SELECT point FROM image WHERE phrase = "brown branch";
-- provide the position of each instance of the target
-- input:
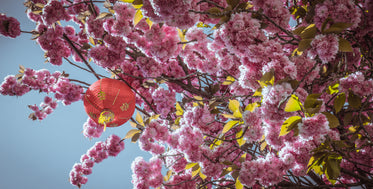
(80, 55)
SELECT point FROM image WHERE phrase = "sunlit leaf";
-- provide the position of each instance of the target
(289, 124)
(293, 104)
(127, 1)
(149, 22)
(234, 105)
(203, 177)
(229, 125)
(251, 107)
(168, 175)
(179, 110)
(138, 17)
(131, 132)
(195, 170)
(240, 139)
(139, 119)
(190, 165)
(238, 184)
(333, 89)
(228, 81)
(104, 15)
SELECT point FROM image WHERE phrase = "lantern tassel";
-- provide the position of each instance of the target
(105, 117)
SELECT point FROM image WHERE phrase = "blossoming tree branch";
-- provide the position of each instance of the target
(229, 93)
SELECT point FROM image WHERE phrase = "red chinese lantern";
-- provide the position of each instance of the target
(109, 102)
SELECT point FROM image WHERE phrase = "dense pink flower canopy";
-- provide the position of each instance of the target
(229, 94)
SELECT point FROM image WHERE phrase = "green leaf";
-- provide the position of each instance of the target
(344, 45)
(312, 104)
(127, 1)
(229, 125)
(304, 44)
(333, 168)
(290, 124)
(214, 12)
(333, 121)
(309, 32)
(293, 104)
(299, 30)
(138, 17)
(339, 101)
(267, 79)
(354, 100)
(337, 27)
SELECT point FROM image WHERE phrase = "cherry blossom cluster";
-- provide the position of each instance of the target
(91, 129)
(96, 154)
(42, 81)
(45, 109)
(188, 76)
(9, 26)
(147, 174)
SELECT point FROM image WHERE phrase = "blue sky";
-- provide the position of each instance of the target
(40, 154)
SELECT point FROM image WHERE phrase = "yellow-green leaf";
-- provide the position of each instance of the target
(149, 22)
(312, 104)
(92, 41)
(229, 125)
(267, 79)
(251, 107)
(229, 116)
(293, 104)
(138, 17)
(228, 81)
(344, 45)
(203, 177)
(139, 119)
(179, 110)
(263, 145)
(237, 114)
(333, 121)
(234, 105)
(339, 101)
(240, 139)
(238, 184)
(202, 25)
(182, 36)
(289, 124)
(131, 132)
(127, 1)
(333, 89)
(190, 165)
(258, 92)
